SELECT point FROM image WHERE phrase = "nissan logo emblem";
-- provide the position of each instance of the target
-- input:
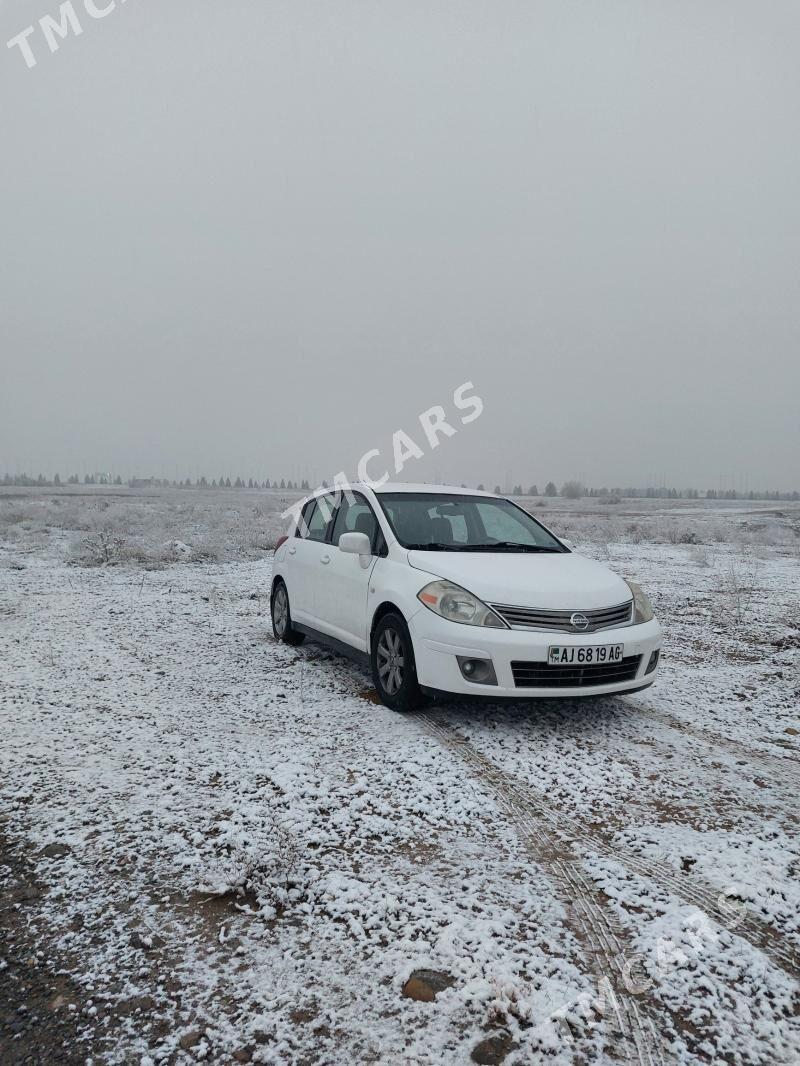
(579, 621)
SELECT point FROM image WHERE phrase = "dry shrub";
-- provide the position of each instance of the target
(700, 555)
(102, 548)
(738, 585)
(269, 876)
(675, 535)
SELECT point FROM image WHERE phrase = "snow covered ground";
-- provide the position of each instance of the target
(217, 848)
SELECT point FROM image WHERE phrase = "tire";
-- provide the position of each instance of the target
(394, 670)
(282, 627)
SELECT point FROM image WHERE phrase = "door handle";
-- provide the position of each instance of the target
(292, 551)
(325, 559)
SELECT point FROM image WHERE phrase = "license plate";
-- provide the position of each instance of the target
(579, 655)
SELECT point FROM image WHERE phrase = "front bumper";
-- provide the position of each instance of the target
(437, 643)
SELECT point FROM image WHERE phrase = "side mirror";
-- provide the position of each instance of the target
(355, 544)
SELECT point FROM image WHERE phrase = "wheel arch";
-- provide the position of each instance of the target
(384, 608)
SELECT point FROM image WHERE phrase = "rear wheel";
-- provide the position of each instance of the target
(282, 617)
(393, 668)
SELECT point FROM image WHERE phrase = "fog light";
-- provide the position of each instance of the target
(479, 671)
(653, 662)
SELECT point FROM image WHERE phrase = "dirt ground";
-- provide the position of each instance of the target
(219, 849)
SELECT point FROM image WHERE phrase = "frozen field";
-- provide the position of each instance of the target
(217, 848)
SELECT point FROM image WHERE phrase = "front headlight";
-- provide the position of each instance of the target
(455, 604)
(642, 609)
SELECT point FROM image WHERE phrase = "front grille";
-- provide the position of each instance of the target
(559, 621)
(542, 675)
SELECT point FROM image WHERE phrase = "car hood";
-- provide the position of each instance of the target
(558, 582)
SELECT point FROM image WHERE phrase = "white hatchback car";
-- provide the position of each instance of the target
(458, 592)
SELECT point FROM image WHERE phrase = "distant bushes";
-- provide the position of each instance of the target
(151, 532)
(105, 548)
(171, 527)
(680, 530)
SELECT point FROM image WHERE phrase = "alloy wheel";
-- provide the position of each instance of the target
(391, 661)
(280, 612)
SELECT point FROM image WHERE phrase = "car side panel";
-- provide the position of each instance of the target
(341, 597)
(301, 559)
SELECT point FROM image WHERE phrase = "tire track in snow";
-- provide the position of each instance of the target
(637, 1035)
(707, 898)
(784, 772)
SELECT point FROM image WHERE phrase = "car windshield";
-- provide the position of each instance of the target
(432, 521)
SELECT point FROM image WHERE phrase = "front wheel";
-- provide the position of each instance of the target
(393, 668)
(282, 617)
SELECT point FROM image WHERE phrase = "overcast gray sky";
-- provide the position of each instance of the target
(258, 237)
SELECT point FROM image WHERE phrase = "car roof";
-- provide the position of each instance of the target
(443, 490)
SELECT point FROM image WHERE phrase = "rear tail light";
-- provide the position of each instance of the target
(281, 540)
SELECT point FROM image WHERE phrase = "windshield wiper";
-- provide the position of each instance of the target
(431, 546)
(511, 546)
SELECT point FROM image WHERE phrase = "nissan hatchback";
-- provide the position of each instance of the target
(460, 593)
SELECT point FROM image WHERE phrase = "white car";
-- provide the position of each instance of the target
(458, 592)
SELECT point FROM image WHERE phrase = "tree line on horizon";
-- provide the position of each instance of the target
(570, 490)
(576, 490)
(25, 481)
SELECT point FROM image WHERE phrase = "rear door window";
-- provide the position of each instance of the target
(317, 516)
(301, 529)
